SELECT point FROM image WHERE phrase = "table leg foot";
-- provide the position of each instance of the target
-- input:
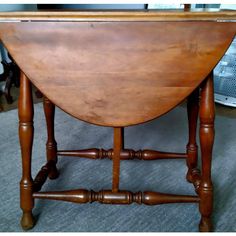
(205, 225)
(27, 220)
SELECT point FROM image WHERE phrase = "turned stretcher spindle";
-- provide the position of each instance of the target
(111, 197)
(126, 154)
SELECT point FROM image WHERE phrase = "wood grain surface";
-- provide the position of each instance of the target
(117, 73)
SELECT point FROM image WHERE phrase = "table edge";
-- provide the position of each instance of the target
(130, 15)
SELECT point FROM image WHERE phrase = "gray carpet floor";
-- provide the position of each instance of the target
(168, 133)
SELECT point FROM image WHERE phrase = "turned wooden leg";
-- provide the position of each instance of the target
(192, 148)
(26, 132)
(51, 145)
(207, 116)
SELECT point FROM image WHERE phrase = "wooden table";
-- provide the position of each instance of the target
(118, 69)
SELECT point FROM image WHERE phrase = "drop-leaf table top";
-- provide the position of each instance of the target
(116, 68)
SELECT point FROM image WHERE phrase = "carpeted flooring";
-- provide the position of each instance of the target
(166, 133)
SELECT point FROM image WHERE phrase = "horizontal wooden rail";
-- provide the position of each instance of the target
(120, 197)
(126, 154)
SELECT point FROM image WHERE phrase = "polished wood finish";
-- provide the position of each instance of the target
(111, 197)
(130, 67)
(125, 154)
(26, 132)
(120, 16)
(207, 116)
(118, 144)
(139, 57)
(51, 145)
